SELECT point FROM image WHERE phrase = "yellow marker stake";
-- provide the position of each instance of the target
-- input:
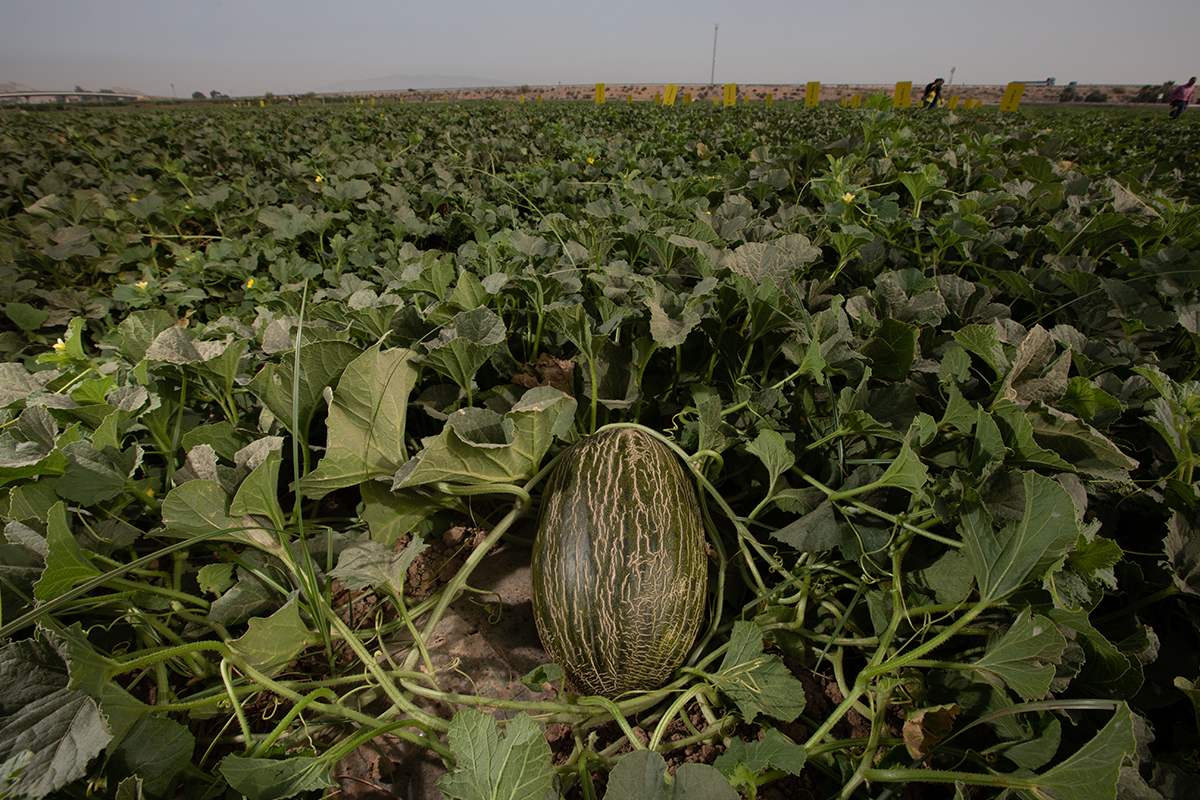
(811, 93)
(953, 102)
(770, 98)
(599, 94)
(629, 99)
(856, 100)
(730, 94)
(672, 90)
(658, 98)
(522, 98)
(1012, 97)
(372, 101)
(687, 98)
(903, 98)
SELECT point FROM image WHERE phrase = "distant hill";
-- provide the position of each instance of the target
(394, 83)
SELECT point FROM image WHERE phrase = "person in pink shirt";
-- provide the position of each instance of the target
(1181, 97)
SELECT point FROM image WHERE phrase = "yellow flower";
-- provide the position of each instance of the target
(848, 197)
(591, 160)
(319, 178)
(60, 345)
(141, 285)
(132, 199)
(250, 283)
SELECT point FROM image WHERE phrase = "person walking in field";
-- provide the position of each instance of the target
(933, 93)
(1181, 97)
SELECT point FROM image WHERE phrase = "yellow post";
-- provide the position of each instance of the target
(730, 94)
(1012, 96)
(687, 98)
(669, 99)
(770, 98)
(629, 99)
(539, 98)
(522, 100)
(953, 103)
(658, 98)
(903, 97)
(599, 94)
(856, 100)
(811, 93)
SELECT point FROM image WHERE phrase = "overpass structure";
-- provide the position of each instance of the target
(62, 96)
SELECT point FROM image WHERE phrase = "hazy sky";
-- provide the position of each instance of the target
(247, 47)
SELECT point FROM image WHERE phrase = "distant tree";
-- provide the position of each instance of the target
(215, 95)
(1096, 96)
(1067, 95)
(197, 95)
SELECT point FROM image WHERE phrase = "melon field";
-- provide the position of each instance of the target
(281, 390)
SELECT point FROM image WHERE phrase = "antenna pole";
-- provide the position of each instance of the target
(712, 77)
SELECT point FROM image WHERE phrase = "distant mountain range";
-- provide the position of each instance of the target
(394, 83)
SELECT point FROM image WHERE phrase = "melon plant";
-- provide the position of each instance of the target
(618, 568)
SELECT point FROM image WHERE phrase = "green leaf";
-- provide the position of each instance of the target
(573, 322)
(892, 349)
(1092, 772)
(983, 342)
(1016, 426)
(1024, 656)
(1036, 373)
(92, 476)
(478, 446)
(770, 448)
(1003, 558)
(642, 775)
(1182, 549)
(364, 565)
(779, 258)
(27, 318)
(156, 750)
(389, 515)
(62, 729)
(491, 766)
(1079, 444)
(259, 492)
(271, 643)
(465, 345)
(321, 363)
(67, 565)
(542, 674)
(757, 682)
(906, 472)
(772, 751)
(268, 779)
(140, 329)
(366, 422)
(201, 508)
(215, 578)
